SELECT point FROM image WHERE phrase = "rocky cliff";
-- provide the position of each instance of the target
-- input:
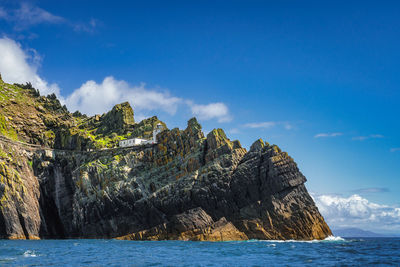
(63, 176)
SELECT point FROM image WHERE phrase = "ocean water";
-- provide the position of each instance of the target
(330, 252)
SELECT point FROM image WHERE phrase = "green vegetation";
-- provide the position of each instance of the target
(26, 116)
(14, 187)
(4, 155)
(6, 130)
(220, 133)
(221, 138)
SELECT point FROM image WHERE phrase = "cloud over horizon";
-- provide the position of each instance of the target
(358, 211)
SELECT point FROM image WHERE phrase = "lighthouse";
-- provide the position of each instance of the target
(156, 131)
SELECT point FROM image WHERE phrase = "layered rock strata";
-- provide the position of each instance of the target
(186, 187)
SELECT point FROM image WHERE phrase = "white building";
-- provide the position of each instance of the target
(139, 141)
(131, 142)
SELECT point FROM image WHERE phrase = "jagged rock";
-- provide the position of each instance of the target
(186, 187)
(258, 145)
(120, 119)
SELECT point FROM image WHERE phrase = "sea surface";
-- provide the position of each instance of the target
(331, 252)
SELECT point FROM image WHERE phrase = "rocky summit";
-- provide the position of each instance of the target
(63, 175)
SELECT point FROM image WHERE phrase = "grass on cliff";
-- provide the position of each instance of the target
(4, 155)
(6, 130)
(26, 116)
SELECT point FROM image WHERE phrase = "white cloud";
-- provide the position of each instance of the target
(28, 15)
(358, 211)
(20, 66)
(327, 135)
(371, 136)
(268, 124)
(265, 124)
(96, 98)
(86, 27)
(210, 111)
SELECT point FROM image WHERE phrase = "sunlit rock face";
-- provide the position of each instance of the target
(188, 186)
(120, 119)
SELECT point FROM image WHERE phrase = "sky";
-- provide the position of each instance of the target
(318, 78)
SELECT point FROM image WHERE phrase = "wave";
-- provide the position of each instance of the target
(334, 238)
(330, 238)
(29, 253)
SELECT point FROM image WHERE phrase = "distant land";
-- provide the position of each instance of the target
(357, 232)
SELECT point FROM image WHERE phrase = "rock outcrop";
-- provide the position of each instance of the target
(193, 225)
(19, 194)
(186, 187)
(120, 120)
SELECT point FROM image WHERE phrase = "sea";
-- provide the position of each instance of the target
(334, 251)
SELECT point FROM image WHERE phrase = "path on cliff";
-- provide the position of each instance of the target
(33, 147)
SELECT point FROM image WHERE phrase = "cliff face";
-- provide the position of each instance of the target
(187, 187)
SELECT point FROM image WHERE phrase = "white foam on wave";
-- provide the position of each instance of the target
(286, 241)
(330, 238)
(334, 238)
(29, 253)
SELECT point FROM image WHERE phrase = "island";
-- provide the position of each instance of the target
(68, 175)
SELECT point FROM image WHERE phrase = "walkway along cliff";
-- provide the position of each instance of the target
(62, 176)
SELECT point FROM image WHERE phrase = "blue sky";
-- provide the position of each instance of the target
(321, 80)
